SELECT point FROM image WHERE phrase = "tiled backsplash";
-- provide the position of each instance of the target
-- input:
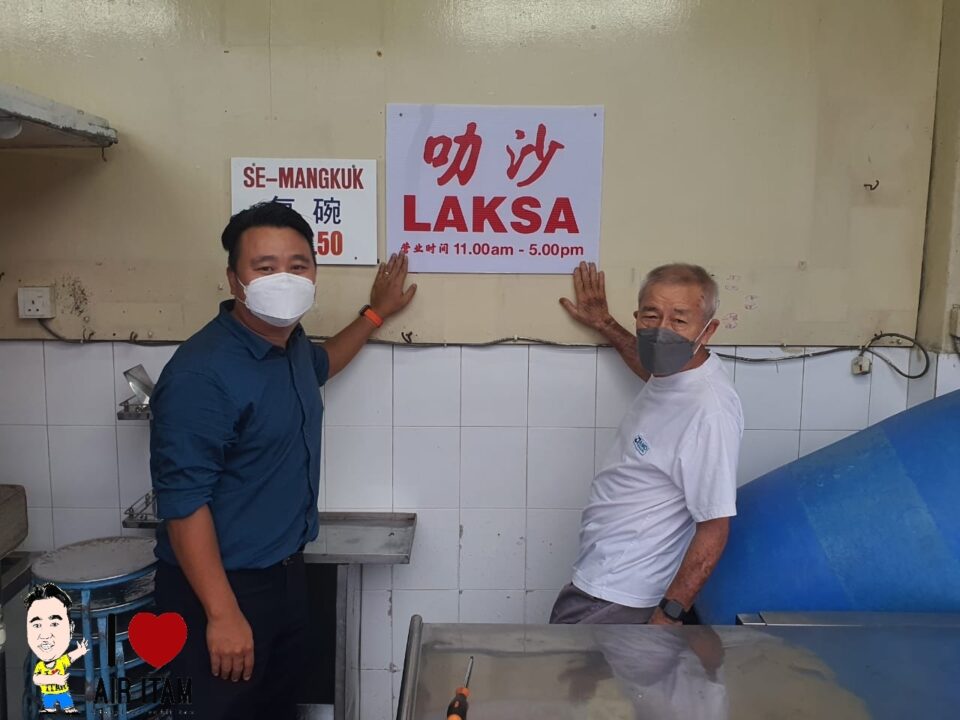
(462, 429)
(494, 448)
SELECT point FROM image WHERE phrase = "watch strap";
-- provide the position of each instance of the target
(370, 314)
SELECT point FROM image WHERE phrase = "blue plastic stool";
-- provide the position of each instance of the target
(103, 577)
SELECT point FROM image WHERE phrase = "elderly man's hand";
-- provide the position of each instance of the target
(387, 296)
(590, 307)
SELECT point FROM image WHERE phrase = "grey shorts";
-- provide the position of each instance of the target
(574, 606)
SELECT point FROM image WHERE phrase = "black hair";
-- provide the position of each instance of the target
(47, 590)
(263, 214)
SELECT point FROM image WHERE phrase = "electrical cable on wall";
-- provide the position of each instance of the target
(86, 338)
(866, 348)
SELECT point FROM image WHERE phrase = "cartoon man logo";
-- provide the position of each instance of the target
(49, 630)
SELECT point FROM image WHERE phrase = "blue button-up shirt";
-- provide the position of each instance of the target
(236, 426)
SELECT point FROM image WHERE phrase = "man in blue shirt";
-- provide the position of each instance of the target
(235, 462)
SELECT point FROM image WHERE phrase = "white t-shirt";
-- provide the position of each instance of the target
(673, 464)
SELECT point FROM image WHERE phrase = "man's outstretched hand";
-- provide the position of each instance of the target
(387, 296)
(590, 307)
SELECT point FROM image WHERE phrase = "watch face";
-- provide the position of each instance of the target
(673, 610)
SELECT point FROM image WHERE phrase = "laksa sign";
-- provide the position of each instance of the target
(484, 189)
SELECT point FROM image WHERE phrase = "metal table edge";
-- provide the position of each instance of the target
(411, 670)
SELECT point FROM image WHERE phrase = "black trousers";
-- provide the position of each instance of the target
(274, 602)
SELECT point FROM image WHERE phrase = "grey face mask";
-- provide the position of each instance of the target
(664, 352)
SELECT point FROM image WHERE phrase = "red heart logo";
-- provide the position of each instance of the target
(157, 639)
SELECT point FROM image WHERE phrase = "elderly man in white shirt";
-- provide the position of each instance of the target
(657, 518)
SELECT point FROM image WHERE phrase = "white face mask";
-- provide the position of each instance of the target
(280, 299)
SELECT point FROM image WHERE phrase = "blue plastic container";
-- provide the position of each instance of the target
(871, 523)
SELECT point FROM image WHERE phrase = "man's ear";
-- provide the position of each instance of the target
(234, 282)
(712, 327)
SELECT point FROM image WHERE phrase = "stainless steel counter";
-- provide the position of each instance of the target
(686, 673)
(848, 619)
(345, 538)
(362, 538)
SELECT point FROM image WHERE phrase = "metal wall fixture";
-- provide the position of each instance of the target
(137, 407)
(32, 121)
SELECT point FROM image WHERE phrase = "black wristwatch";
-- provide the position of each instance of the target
(673, 609)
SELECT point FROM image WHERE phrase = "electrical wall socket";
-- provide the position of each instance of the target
(862, 365)
(35, 303)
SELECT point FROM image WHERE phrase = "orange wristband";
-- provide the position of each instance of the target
(369, 313)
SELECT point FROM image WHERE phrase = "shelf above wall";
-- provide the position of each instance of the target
(33, 121)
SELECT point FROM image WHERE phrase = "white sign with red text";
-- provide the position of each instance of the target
(338, 198)
(485, 189)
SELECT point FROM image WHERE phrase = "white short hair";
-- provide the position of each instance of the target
(686, 274)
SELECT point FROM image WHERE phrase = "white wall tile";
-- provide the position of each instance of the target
(377, 577)
(833, 397)
(948, 373)
(495, 386)
(605, 438)
(563, 385)
(434, 559)
(888, 389)
(22, 388)
(561, 467)
(770, 392)
(434, 606)
(491, 606)
(492, 549)
(553, 542)
(83, 467)
(376, 629)
(764, 450)
(537, 606)
(813, 440)
(493, 467)
(127, 355)
(322, 493)
(39, 530)
(80, 384)
(25, 460)
(728, 363)
(922, 389)
(617, 387)
(362, 393)
(376, 690)
(426, 387)
(426, 467)
(359, 468)
(72, 525)
(133, 455)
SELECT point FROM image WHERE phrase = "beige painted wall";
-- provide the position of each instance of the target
(941, 262)
(739, 134)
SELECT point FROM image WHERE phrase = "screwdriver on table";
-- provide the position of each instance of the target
(458, 706)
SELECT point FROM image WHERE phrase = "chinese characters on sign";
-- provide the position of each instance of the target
(477, 189)
(338, 198)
